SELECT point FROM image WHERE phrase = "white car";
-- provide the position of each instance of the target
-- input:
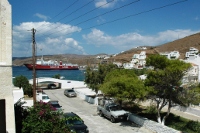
(42, 97)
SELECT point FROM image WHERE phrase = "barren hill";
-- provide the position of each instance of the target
(181, 45)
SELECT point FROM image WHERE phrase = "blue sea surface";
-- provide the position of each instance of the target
(68, 74)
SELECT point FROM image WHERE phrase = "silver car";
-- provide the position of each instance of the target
(70, 93)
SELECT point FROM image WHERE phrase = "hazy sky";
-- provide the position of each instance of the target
(100, 26)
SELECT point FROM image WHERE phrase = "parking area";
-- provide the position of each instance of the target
(88, 112)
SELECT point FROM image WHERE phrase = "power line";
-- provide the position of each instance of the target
(132, 15)
(108, 12)
(90, 11)
(157, 8)
(99, 15)
(84, 14)
(77, 9)
(61, 12)
(65, 9)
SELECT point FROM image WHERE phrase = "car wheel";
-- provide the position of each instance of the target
(112, 119)
(100, 114)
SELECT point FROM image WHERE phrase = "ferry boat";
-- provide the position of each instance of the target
(52, 65)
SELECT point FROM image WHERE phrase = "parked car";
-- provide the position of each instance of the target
(51, 86)
(55, 104)
(42, 97)
(112, 111)
(70, 93)
(75, 123)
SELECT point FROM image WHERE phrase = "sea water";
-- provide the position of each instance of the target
(78, 75)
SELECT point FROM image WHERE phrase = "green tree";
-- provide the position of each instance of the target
(190, 94)
(28, 90)
(20, 81)
(123, 84)
(42, 118)
(94, 78)
(165, 79)
(57, 76)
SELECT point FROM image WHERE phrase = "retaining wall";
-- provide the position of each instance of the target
(151, 125)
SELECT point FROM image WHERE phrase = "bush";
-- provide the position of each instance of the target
(28, 90)
(151, 110)
(194, 125)
(22, 82)
(57, 76)
(42, 118)
(20, 115)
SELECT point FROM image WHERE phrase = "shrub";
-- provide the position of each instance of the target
(28, 90)
(151, 109)
(20, 115)
(194, 125)
(42, 118)
(57, 76)
(22, 82)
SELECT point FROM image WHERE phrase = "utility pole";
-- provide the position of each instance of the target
(34, 72)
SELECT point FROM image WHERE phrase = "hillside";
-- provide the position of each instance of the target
(182, 45)
(65, 58)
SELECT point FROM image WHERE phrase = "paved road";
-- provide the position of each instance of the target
(88, 113)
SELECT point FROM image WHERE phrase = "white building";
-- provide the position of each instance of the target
(171, 55)
(192, 57)
(119, 64)
(192, 75)
(138, 61)
(192, 53)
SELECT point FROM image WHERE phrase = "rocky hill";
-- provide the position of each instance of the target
(181, 45)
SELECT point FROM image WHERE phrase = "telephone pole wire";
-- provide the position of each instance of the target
(34, 61)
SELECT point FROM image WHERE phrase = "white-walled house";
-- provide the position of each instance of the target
(119, 64)
(191, 53)
(171, 55)
(138, 61)
(192, 75)
(195, 66)
(193, 57)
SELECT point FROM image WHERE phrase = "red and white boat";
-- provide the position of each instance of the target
(52, 65)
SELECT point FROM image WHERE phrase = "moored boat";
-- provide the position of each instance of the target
(52, 65)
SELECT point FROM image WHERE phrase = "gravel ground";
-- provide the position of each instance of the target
(88, 112)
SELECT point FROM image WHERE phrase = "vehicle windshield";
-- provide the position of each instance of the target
(55, 105)
(45, 97)
(74, 122)
(70, 90)
(115, 108)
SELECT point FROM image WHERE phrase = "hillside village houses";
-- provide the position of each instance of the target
(138, 61)
(192, 75)
(171, 55)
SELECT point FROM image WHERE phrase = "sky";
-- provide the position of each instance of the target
(90, 27)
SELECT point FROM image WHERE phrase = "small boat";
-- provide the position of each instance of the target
(52, 65)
